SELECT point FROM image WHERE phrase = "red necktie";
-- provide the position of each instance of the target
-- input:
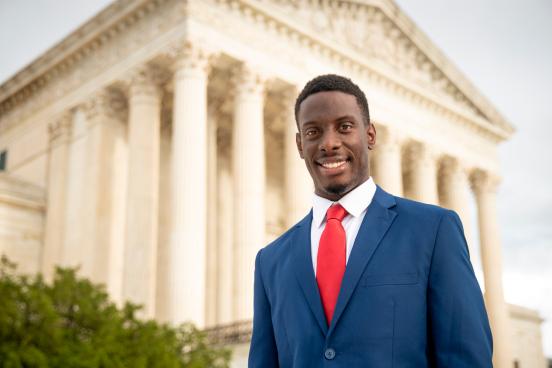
(330, 264)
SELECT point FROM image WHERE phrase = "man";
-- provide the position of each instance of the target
(366, 279)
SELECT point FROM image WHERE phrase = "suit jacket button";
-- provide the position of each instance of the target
(329, 354)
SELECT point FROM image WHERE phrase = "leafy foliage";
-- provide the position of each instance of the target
(72, 323)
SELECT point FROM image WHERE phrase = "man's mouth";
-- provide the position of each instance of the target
(333, 166)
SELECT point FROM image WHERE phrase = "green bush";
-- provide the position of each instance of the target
(72, 323)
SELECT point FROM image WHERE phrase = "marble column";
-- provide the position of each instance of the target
(187, 250)
(248, 161)
(144, 106)
(225, 238)
(58, 162)
(485, 186)
(103, 243)
(298, 183)
(75, 223)
(212, 254)
(164, 222)
(454, 193)
(387, 170)
(422, 173)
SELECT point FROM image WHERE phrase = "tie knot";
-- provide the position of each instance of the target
(336, 212)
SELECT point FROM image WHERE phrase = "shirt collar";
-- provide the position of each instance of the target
(354, 202)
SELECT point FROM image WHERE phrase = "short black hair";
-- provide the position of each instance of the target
(333, 82)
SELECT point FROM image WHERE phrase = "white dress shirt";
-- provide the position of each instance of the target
(355, 202)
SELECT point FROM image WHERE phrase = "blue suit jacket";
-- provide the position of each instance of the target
(409, 296)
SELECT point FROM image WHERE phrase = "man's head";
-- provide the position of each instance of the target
(335, 134)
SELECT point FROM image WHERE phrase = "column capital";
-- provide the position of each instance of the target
(105, 103)
(419, 153)
(387, 136)
(484, 182)
(60, 129)
(289, 95)
(246, 80)
(189, 57)
(423, 151)
(146, 80)
(452, 166)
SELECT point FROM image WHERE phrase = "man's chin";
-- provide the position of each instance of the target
(337, 189)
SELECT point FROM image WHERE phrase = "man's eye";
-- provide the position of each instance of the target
(346, 126)
(310, 132)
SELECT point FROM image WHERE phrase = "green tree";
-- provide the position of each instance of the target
(72, 323)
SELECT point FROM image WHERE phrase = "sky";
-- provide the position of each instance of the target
(503, 46)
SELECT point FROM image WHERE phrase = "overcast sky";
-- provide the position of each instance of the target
(503, 46)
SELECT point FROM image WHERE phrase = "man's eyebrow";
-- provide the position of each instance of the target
(346, 117)
(310, 122)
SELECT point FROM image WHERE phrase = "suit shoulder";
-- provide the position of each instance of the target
(421, 211)
(278, 245)
(279, 241)
(408, 207)
(419, 207)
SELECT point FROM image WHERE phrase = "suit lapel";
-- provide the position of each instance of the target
(376, 222)
(302, 265)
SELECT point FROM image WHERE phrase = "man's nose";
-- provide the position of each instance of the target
(330, 141)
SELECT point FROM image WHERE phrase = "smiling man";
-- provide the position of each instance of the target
(366, 279)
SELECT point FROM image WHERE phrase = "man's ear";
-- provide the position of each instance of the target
(299, 144)
(371, 136)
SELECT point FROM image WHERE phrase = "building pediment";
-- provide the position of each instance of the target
(389, 41)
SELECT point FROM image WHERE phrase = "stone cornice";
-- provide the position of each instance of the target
(84, 41)
(71, 46)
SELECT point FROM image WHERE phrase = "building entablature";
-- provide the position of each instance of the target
(413, 68)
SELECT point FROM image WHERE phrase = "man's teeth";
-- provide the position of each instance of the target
(333, 165)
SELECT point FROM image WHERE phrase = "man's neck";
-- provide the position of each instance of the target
(337, 196)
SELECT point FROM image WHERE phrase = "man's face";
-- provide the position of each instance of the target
(334, 142)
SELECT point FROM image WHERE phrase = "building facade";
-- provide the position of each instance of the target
(155, 148)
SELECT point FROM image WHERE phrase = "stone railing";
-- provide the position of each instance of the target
(230, 334)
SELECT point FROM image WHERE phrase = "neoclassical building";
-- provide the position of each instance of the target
(154, 147)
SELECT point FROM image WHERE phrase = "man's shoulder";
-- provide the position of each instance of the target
(418, 212)
(280, 244)
(419, 208)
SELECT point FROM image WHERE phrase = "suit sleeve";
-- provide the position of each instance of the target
(458, 323)
(262, 352)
